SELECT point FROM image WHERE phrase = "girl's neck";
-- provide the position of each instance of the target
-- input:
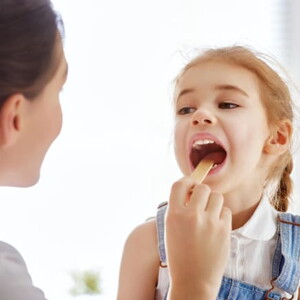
(239, 219)
(242, 206)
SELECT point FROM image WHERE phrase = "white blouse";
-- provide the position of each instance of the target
(253, 246)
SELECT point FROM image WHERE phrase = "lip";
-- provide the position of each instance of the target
(207, 136)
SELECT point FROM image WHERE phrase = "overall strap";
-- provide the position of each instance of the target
(160, 228)
(286, 265)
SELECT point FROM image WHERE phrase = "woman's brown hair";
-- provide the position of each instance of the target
(28, 38)
(276, 99)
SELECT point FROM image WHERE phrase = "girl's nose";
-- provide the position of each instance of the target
(203, 117)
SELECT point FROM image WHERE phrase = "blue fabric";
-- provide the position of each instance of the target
(237, 290)
(285, 267)
(160, 225)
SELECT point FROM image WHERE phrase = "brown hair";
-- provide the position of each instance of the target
(276, 98)
(28, 36)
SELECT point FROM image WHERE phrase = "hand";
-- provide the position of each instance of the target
(197, 240)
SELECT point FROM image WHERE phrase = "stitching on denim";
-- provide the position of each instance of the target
(160, 229)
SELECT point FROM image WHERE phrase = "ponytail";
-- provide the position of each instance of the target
(285, 187)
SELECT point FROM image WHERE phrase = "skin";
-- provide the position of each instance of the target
(206, 102)
(28, 128)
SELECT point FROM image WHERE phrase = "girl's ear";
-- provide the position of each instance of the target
(279, 140)
(10, 120)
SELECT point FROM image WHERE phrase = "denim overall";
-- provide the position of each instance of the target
(285, 266)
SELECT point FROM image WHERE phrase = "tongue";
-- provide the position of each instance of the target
(218, 156)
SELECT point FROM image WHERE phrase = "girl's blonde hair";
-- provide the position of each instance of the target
(276, 99)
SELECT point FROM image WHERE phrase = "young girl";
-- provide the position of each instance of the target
(227, 238)
(33, 70)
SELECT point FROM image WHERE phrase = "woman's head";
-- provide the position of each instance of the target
(275, 98)
(28, 34)
(32, 72)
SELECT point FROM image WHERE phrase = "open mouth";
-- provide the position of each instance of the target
(207, 149)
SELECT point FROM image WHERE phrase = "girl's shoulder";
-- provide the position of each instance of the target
(289, 214)
(287, 253)
(139, 265)
(286, 218)
(144, 238)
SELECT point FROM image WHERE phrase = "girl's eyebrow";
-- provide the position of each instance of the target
(185, 91)
(231, 88)
(227, 87)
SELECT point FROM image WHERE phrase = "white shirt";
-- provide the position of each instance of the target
(253, 246)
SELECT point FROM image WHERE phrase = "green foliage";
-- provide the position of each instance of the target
(86, 283)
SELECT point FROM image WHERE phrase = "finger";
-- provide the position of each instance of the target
(199, 197)
(215, 204)
(180, 192)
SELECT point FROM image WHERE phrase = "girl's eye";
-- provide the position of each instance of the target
(186, 110)
(227, 105)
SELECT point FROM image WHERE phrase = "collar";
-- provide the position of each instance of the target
(263, 223)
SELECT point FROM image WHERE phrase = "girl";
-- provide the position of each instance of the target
(33, 70)
(227, 238)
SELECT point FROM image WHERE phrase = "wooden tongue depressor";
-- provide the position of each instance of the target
(202, 170)
(199, 174)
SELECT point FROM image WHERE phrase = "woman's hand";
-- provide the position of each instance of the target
(197, 240)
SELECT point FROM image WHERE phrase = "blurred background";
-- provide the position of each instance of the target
(113, 162)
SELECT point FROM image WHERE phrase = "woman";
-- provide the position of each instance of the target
(33, 70)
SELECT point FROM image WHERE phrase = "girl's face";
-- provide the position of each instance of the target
(219, 114)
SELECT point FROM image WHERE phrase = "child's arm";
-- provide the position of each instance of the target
(140, 264)
(198, 241)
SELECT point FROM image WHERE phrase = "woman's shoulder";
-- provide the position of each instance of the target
(12, 263)
(15, 281)
(10, 253)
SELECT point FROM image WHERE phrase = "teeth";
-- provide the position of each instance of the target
(199, 143)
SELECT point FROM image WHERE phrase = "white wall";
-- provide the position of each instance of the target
(293, 64)
(113, 162)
